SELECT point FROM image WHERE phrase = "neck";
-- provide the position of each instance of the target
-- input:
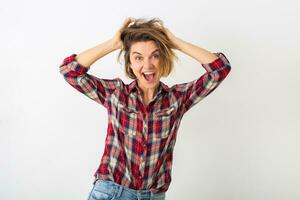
(148, 93)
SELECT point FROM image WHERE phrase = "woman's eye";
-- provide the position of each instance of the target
(138, 58)
(156, 56)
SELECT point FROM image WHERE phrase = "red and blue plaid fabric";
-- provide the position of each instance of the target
(140, 139)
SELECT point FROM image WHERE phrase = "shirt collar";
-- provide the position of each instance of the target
(162, 87)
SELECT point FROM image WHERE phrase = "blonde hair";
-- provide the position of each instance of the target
(142, 30)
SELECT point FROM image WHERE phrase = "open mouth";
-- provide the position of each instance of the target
(149, 76)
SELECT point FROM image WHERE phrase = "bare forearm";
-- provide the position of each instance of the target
(89, 56)
(200, 54)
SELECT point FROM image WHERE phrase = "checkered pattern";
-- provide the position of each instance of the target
(140, 139)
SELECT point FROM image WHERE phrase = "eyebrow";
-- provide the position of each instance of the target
(141, 54)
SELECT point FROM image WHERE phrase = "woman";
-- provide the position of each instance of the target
(143, 116)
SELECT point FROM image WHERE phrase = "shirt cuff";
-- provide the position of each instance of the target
(217, 63)
(76, 66)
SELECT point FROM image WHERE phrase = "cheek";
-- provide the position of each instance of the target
(135, 68)
(134, 65)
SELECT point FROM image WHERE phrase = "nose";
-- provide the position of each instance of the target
(148, 64)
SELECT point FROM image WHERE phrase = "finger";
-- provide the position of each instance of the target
(128, 20)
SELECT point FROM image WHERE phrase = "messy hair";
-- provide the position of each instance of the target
(142, 30)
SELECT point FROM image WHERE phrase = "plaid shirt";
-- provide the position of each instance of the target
(140, 139)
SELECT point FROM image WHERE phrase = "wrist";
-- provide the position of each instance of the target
(114, 44)
(177, 43)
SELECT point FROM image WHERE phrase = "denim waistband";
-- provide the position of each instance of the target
(119, 188)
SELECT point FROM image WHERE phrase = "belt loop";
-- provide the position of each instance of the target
(119, 190)
(151, 195)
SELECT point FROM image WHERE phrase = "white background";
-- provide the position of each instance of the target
(241, 142)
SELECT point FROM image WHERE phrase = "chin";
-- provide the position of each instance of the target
(149, 85)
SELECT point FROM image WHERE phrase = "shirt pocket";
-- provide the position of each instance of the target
(163, 122)
(127, 119)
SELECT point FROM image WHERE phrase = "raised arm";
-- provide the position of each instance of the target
(201, 55)
(74, 70)
(216, 65)
(88, 57)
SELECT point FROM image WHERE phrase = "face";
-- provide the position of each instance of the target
(144, 59)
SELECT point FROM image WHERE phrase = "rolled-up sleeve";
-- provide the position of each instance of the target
(216, 71)
(93, 87)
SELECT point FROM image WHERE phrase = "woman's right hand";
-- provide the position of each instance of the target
(116, 38)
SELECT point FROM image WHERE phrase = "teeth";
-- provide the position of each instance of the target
(147, 73)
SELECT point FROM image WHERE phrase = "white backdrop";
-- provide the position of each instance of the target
(241, 142)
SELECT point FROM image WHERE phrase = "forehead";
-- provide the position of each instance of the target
(142, 47)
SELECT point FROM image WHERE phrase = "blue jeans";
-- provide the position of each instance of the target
(108, 190)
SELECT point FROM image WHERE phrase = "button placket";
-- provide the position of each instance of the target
(142, 164)
(145, 121)
(145, 132)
